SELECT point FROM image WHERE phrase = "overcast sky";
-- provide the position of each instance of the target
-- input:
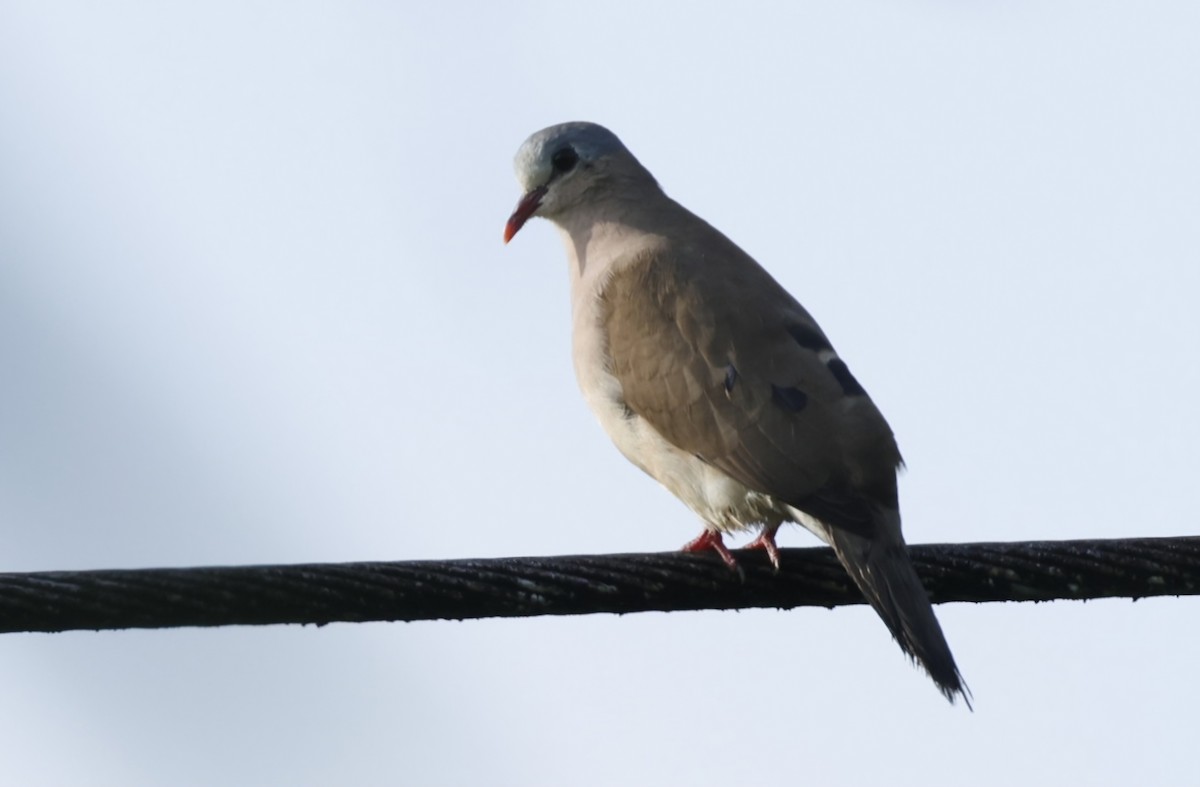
(254, 308)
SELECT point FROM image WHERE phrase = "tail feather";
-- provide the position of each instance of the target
(882, 569)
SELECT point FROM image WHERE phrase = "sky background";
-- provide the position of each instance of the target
(254, 308)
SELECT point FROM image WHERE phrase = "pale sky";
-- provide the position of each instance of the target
(254, 308)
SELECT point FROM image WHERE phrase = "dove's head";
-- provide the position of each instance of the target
(566, 166)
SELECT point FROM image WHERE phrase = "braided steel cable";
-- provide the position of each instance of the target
(578, 585)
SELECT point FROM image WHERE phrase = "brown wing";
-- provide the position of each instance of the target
(723, 363)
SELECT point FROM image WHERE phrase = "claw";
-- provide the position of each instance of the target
(711, 539)
(766, 540)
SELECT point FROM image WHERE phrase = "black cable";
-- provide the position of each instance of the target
(577, 585)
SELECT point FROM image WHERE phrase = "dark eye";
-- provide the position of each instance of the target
(564, 160)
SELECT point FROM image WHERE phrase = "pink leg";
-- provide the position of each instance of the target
(766, 540)
(711, 539)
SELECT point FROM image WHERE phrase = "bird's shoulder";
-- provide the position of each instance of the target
(704, 301)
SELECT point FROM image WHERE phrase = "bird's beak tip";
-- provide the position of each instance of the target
(524, 211)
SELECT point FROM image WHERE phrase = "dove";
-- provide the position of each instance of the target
(710, 377)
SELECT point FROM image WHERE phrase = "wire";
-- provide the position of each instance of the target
(578, 585)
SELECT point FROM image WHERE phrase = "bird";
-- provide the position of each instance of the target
(712, 379)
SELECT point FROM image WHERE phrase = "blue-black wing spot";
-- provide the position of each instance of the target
(809, 338)
(731, 378)
(789, 398)
(841, 373)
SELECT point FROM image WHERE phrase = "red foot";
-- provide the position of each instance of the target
(711, 539)
(766, 540)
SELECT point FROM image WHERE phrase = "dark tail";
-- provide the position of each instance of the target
(881, 568)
